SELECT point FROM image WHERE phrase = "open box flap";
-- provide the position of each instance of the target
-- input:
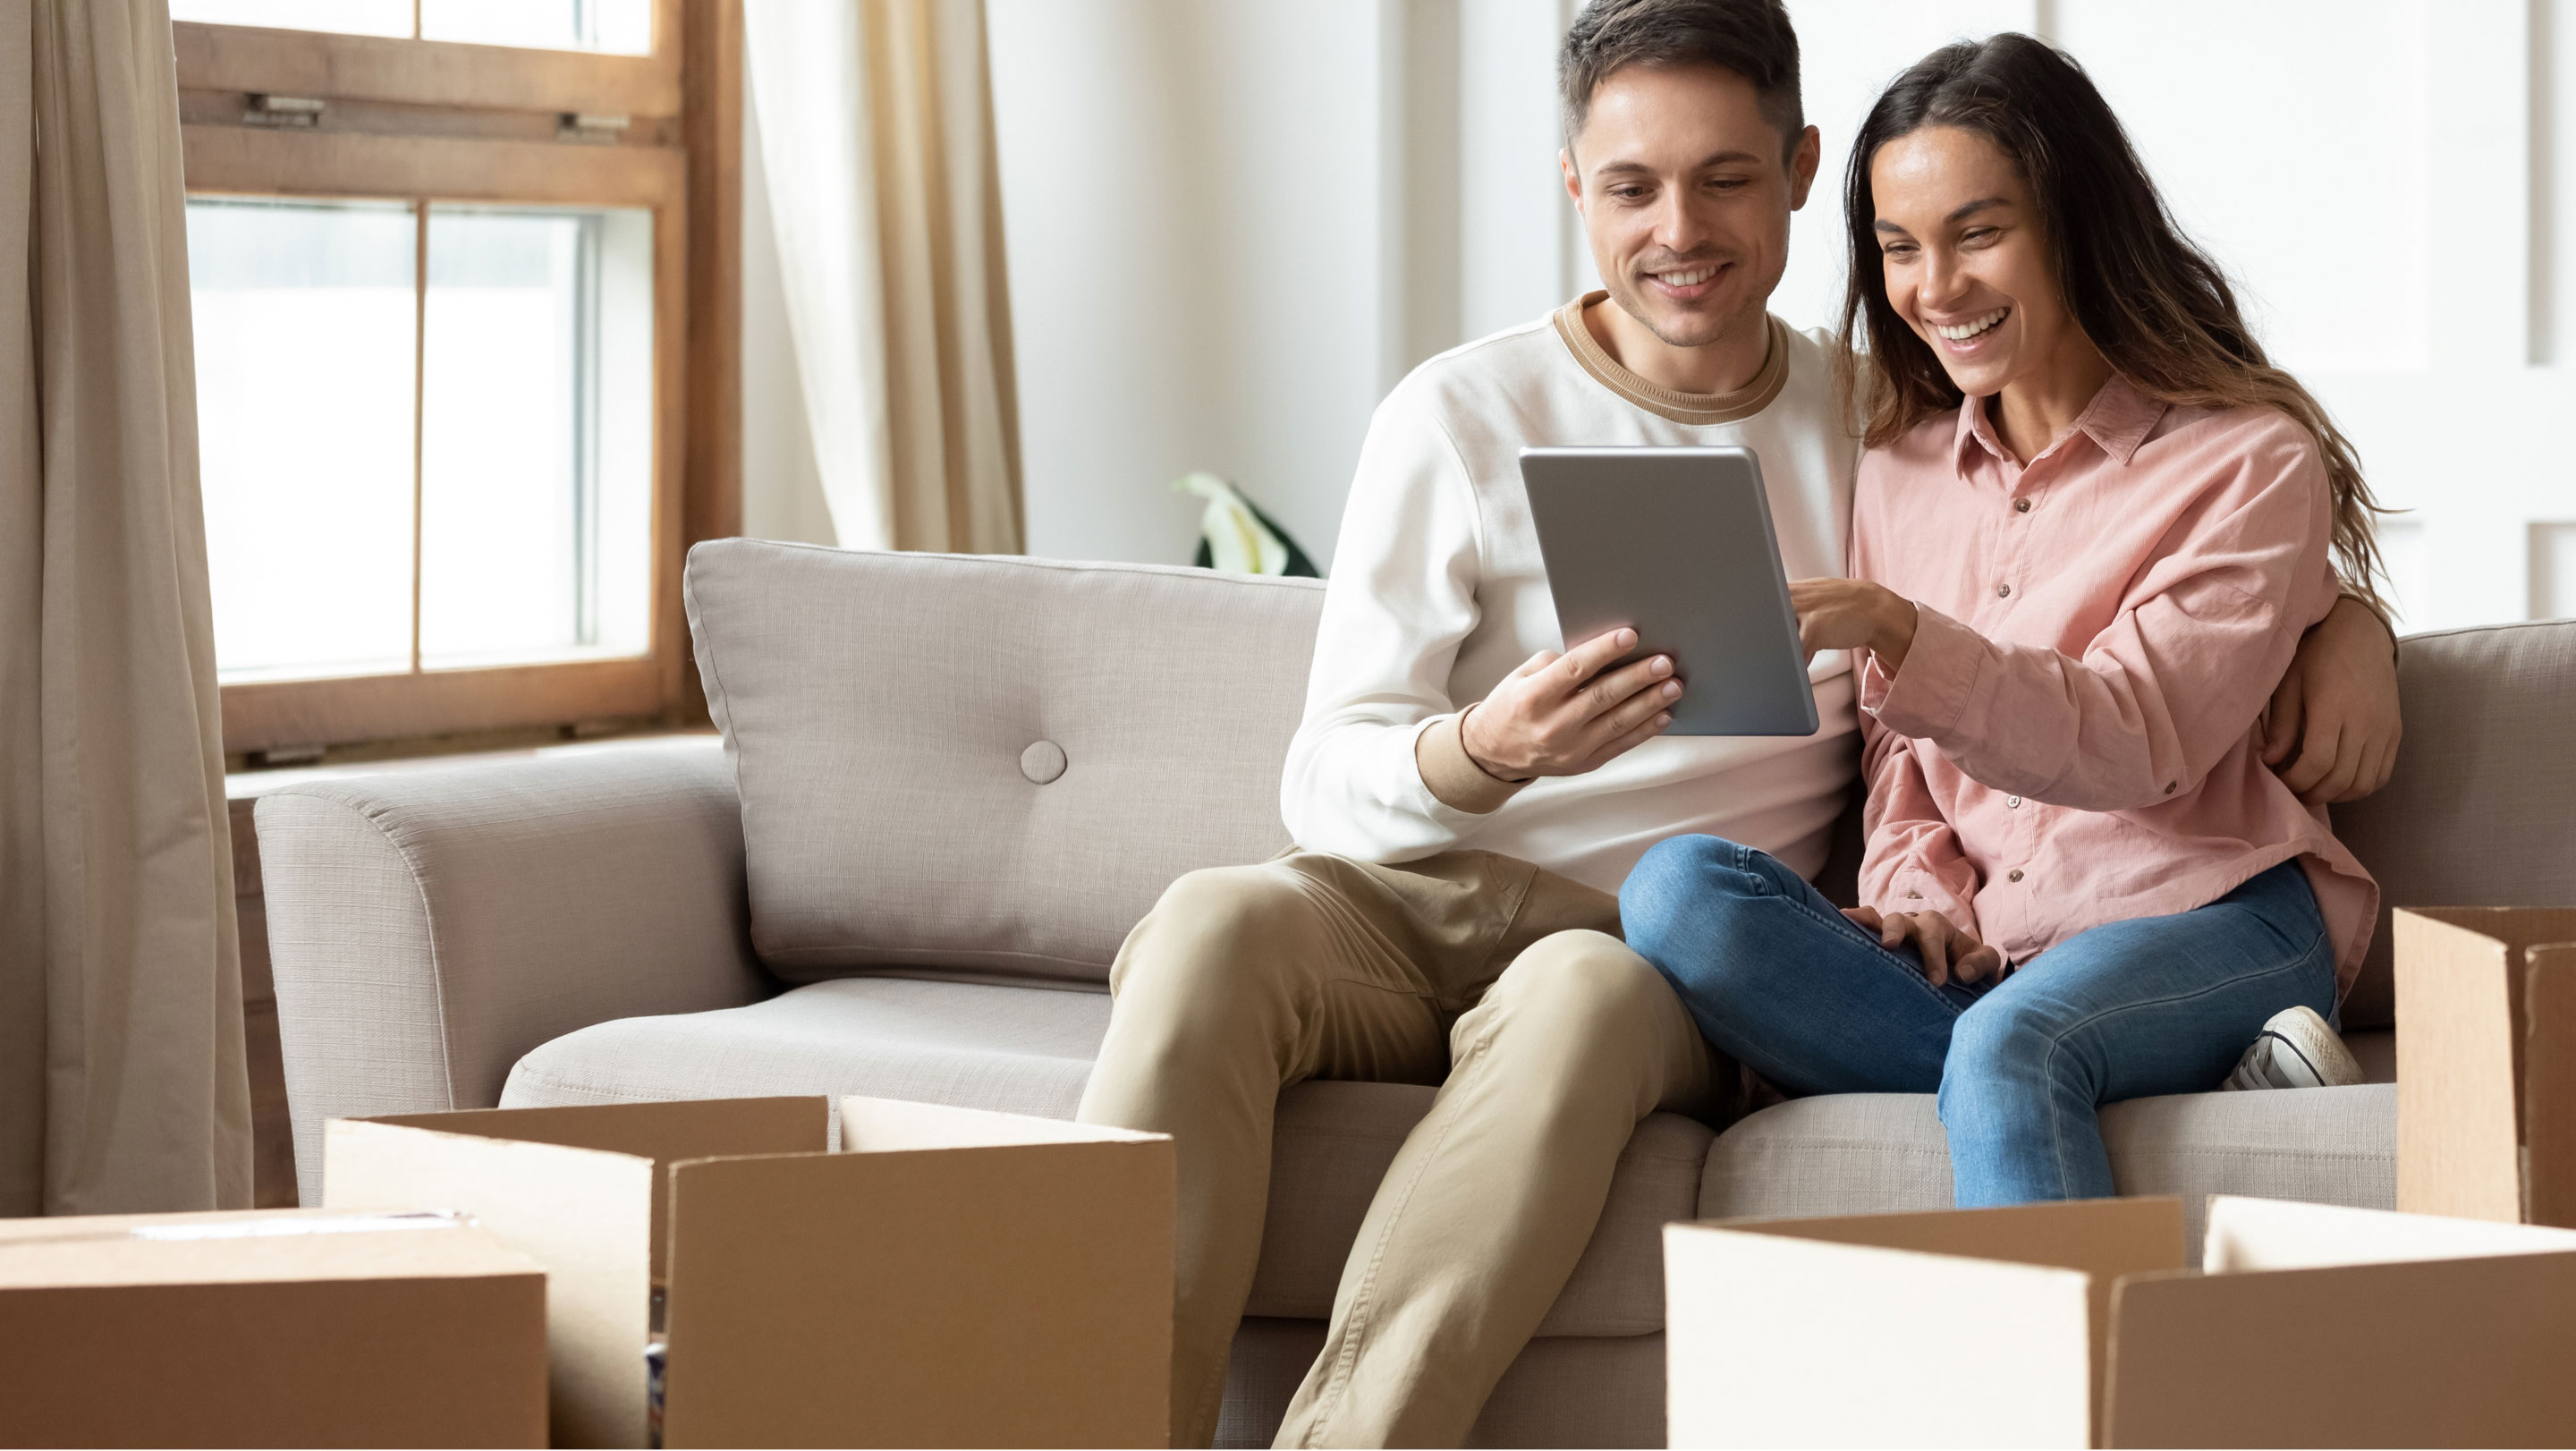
(2549, 1081)
(2459, 1131)
(585, 1214)
(1858, 1344)
(2248, 1234)
(891, 1125)
(985, 1296)
(256, 1246)
(661, 1132)
(2434, 1352)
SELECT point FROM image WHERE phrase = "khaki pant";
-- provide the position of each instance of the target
(1504, 984)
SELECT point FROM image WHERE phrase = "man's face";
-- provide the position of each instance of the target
(1686, 194)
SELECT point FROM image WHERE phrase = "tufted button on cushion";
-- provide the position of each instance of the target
(1042, 762)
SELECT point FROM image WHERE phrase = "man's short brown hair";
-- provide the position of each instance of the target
(1752, 38)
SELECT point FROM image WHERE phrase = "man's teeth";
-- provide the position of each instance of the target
(1686, 279)
(1973, 326)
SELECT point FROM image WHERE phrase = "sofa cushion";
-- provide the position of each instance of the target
(2477, 813)
(989, 765)
(1879, 1153)
(974, 1045)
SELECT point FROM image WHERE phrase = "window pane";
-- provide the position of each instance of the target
(617, 27)
(537, 448)
(350, 17)
(304, 316)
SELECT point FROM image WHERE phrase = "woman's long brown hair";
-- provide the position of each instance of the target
(2155, 304)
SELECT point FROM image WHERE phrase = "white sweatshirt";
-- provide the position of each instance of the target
(1437, 593)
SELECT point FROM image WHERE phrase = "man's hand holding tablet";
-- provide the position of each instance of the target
(1563, 715)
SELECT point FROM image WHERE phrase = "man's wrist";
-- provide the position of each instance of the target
(1467, 747)
(1457, 779)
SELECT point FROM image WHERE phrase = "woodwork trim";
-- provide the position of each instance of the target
(330, 66)
(264, 715)
(712, 89)
(250, 160)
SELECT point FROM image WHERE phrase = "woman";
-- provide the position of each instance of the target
(2091, 527)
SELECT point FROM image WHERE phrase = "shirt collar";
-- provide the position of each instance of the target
(2118, 421)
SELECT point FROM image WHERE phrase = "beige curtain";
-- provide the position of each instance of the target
(876, 130)
(121, 1073)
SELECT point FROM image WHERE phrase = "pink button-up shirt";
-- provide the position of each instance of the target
(2071, 738)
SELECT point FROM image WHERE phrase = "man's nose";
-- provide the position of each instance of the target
(1678, 226)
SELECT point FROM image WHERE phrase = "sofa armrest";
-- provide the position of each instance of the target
(428, 927)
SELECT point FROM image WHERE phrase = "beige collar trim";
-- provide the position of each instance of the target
(1698, 409)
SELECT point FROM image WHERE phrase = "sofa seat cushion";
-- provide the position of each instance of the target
(1877, 1153)
(974, 1045)
(1333, 1143)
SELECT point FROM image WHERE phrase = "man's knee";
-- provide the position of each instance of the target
(1585, 986)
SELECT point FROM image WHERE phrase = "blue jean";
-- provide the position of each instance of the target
(1778, 978)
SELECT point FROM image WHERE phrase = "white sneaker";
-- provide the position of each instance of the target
(2296, 1050)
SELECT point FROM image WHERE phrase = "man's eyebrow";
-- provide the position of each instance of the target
(1632, 168)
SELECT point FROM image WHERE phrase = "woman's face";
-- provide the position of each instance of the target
(1967, 267)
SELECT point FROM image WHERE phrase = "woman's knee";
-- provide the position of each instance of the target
(1683, 879)
(2011, 1039)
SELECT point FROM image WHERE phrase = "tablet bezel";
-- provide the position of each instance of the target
(1677, 543)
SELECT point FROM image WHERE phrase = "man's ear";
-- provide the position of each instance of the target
(1803, 161)
(1573, 178)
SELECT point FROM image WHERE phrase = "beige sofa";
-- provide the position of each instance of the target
(948, 785)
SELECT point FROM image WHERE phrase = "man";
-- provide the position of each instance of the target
(1466, 800)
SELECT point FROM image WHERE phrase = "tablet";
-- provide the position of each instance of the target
(1677, 544)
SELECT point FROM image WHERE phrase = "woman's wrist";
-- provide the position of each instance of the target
(1893, 635)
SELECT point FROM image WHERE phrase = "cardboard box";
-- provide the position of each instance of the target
(268, 1328)
(2486, 1062)
(951, 1277)
(2076, 1324)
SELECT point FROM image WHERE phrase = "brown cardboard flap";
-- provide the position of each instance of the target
(412, 1337)
(2456, 1352)
(585, 1214)
(2458, 1132)
(992, 1296)
(2549, 1081)
(1778, 1336)
(661, 1132)
(879, 1125)
(2278, 1234)
(2104, 1238)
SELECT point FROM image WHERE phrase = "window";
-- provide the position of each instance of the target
(455, 423)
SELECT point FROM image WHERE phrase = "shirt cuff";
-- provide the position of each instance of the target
(1453, 776)
(1930, 691)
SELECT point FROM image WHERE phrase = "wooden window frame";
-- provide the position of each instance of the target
(442, 122)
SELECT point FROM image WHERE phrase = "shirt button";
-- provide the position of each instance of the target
(2013, 876)
(2169, 787)
(2003, 591)
(2021, 506)
(2013, 802)
(1914, 896)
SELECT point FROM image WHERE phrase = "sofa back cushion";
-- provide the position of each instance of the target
(2481, 811)
(987, 766)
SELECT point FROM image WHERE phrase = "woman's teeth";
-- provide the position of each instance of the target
(1966, 330)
